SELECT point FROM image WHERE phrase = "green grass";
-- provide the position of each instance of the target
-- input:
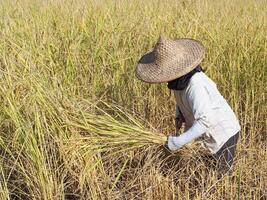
(60, 60)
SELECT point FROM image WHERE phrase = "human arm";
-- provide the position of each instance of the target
(199, 102)
(176, 142)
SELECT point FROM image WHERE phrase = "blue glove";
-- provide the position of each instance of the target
(174, 143)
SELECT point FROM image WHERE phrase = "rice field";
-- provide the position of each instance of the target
(75, 122)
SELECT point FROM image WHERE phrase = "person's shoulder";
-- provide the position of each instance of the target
(200, 76)
(198, 79)
(195, 82)
(198, 82)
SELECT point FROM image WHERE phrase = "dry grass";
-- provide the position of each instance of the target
(61, 60)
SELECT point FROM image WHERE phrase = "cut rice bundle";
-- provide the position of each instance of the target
(109, 132)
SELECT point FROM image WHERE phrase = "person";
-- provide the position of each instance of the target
(199, 104)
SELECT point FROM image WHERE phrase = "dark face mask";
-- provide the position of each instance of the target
(182, 82)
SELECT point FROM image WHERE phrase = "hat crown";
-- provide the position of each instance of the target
(169, 59)
(166, 48)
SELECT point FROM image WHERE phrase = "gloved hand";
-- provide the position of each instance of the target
(174, 143)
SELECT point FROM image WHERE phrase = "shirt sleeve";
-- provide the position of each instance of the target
(199, 101)
(201, 105)
(192, 133)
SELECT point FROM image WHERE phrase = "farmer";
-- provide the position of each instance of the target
(199, 104)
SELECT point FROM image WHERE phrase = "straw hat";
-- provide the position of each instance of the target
(170, 59)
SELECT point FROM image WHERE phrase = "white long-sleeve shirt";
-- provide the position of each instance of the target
(206, 113)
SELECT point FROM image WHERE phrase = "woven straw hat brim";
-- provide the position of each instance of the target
(158, 66)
